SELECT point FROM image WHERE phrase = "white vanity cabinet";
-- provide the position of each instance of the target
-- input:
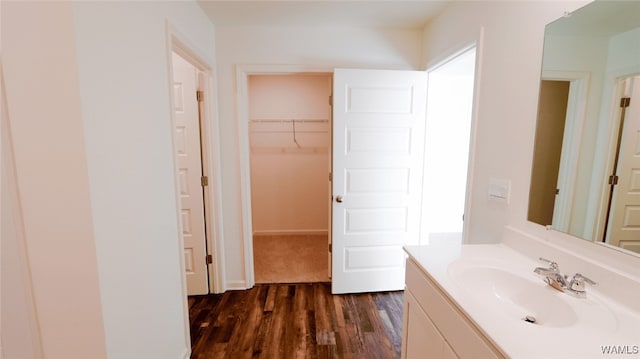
(422, 339)
(434, 327)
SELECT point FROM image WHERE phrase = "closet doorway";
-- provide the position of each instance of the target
(290, 160)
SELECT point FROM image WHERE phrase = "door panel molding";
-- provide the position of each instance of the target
(378, 148)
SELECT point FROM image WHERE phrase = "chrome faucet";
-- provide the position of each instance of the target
(559, 281)
(552, 275)
(553, 267)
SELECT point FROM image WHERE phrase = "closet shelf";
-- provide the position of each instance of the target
(291, 150)
(290, 121)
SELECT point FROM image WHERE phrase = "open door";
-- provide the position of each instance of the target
(189, 160)
(378, 149)
(625, 211)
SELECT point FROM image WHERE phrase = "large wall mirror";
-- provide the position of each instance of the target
(586, 166)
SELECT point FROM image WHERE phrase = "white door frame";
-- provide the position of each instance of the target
(210, 135)
(477, 42)
(180, 44)
(242, 107)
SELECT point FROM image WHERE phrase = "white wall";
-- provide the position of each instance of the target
(510, 56)
(290, 184)
(313, 47)
(43, 97)
(88, 93)
(624, 52)
(124, 81)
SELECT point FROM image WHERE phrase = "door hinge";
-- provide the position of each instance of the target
(613, 180)
(330, 100)
(625, 101)
(330, 176)
(209, 259)
(204, 181)
(330, 247)
(199, 96)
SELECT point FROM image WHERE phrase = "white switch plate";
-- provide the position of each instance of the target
(499, 190)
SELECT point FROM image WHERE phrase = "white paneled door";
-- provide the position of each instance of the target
(378, 148)
(188, 154)
(625, 219)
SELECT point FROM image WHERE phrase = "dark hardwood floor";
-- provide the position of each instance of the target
(296, 321)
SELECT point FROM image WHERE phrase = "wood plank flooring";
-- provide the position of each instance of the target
(296, 321)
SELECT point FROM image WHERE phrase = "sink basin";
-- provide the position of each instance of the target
(516, 296)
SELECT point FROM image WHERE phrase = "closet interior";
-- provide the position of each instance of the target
(290, 144)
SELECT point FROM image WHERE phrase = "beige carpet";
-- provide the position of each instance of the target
(290, 258)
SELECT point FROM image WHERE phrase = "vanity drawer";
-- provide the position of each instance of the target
(464, 337)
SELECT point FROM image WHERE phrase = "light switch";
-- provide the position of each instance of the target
(499, 190)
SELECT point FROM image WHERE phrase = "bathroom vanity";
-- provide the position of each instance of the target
(434, 324)
(485, 301)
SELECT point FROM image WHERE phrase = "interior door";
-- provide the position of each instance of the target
(188, 154)
(625, 219)
(378, 148)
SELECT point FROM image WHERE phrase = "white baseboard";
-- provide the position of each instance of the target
(280, 232)
(235, 285)
(186, 354)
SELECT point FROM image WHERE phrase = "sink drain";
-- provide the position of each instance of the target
(530, 319)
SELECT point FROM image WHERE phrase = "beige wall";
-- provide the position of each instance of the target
(88, 95)
(40, 68)
(19, 335)
(290, 184)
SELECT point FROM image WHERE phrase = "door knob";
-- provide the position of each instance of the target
(339, 199)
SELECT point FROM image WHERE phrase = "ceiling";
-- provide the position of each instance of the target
(358, 13)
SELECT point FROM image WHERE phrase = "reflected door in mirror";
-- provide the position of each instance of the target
(625, 209)
(552, 109)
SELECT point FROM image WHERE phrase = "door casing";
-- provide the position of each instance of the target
(242, 80)
(180, 44)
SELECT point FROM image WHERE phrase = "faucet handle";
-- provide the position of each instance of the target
(553, 265)
(578, 280)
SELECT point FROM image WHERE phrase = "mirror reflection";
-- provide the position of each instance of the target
(586, 166)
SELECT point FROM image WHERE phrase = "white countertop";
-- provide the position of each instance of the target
(612, 325)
